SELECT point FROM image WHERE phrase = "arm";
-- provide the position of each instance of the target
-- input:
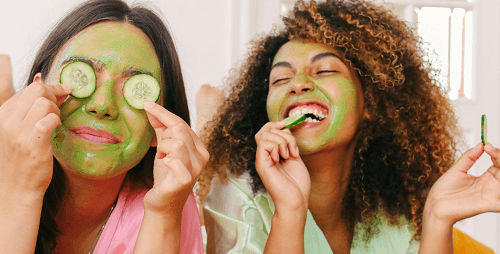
(208, 101)
(288, 183)
(457, 196)
(6, 86)
(179, 160)
(27, 121)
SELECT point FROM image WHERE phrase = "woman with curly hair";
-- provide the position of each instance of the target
(356, 176)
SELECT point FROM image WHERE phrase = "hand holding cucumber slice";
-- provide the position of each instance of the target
(483, 129)
(81, 77)
(293, 120)
(140, 88)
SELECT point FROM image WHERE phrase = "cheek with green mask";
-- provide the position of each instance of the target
(102, 159)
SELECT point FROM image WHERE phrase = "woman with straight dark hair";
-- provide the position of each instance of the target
(98, 173)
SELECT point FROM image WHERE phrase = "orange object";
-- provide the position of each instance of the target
(463, 243)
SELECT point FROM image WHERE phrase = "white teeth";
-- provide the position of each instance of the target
(308, 110)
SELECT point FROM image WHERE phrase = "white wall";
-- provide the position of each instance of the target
(200, 29)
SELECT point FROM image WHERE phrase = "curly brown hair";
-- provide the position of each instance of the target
(409, 134)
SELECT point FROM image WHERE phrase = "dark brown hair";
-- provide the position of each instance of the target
(174, 97)
(407, 138)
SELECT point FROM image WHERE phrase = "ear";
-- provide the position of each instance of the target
(154, 143)
(38, 78)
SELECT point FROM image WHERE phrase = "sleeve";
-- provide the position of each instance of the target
(235, 219)
(191, 238)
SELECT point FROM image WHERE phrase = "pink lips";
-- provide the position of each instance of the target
(96, 136)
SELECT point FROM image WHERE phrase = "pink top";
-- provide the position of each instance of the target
(121, 230)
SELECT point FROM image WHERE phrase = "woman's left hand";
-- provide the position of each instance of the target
(180, 158)
(457, 195)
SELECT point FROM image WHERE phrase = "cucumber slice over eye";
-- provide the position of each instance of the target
(484, 129)
(81, 77)
(140, 88)
(293, 120)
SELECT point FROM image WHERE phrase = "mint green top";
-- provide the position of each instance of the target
(239, 222)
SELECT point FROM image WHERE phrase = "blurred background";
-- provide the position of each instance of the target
(461, 36)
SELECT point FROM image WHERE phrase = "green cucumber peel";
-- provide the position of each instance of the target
(293, 120)
(140, 88)
(81, 77)
(484, 129)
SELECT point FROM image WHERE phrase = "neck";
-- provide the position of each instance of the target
(329, 171)
(88, 200)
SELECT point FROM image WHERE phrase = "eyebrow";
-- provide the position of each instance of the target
(281, 64)
(314, 59)
(96, 65)
(324, 55)
(130, 71)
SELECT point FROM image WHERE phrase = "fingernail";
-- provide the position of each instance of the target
(67, 88)
(490, 146)
(287, 153)
(148, 104)
(298, 152)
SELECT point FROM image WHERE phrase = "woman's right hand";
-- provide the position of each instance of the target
(287, 179)
(26, 122)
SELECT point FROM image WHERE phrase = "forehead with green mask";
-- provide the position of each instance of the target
(102, 136)
(312, 79)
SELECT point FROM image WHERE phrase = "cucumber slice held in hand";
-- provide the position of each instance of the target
(484, 129)
(293, 120)
(140, 88)
(81, 77)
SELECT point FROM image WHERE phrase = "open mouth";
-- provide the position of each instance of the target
(314, 112)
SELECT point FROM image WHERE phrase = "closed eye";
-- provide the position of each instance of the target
(279, 80)
(326, 71)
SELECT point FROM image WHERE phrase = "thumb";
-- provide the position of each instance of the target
(42, 130)
(468, 158)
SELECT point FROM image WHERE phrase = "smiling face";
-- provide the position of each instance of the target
(312, 78)
(102, 136)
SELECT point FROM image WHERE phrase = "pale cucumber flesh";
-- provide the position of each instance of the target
(81, 77)
(140, 88)
(293, 120)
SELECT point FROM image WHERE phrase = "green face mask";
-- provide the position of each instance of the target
(312, 77)
(102, 136)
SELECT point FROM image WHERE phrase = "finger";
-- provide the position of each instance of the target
(268, 149)
(181, 173)
(56, 93)
(494, 154)
(495, 171)
(40, 138)
(280, 140)
(175, 149)
(291, 141)
(41, 108)
(267, 127)
(159, 117)
(468, 158)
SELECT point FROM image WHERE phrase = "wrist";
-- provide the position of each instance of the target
(283, 219)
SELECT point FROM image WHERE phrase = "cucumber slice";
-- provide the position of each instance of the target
(293, 120)
(140, 88)
(81, 77)
(484, 126)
